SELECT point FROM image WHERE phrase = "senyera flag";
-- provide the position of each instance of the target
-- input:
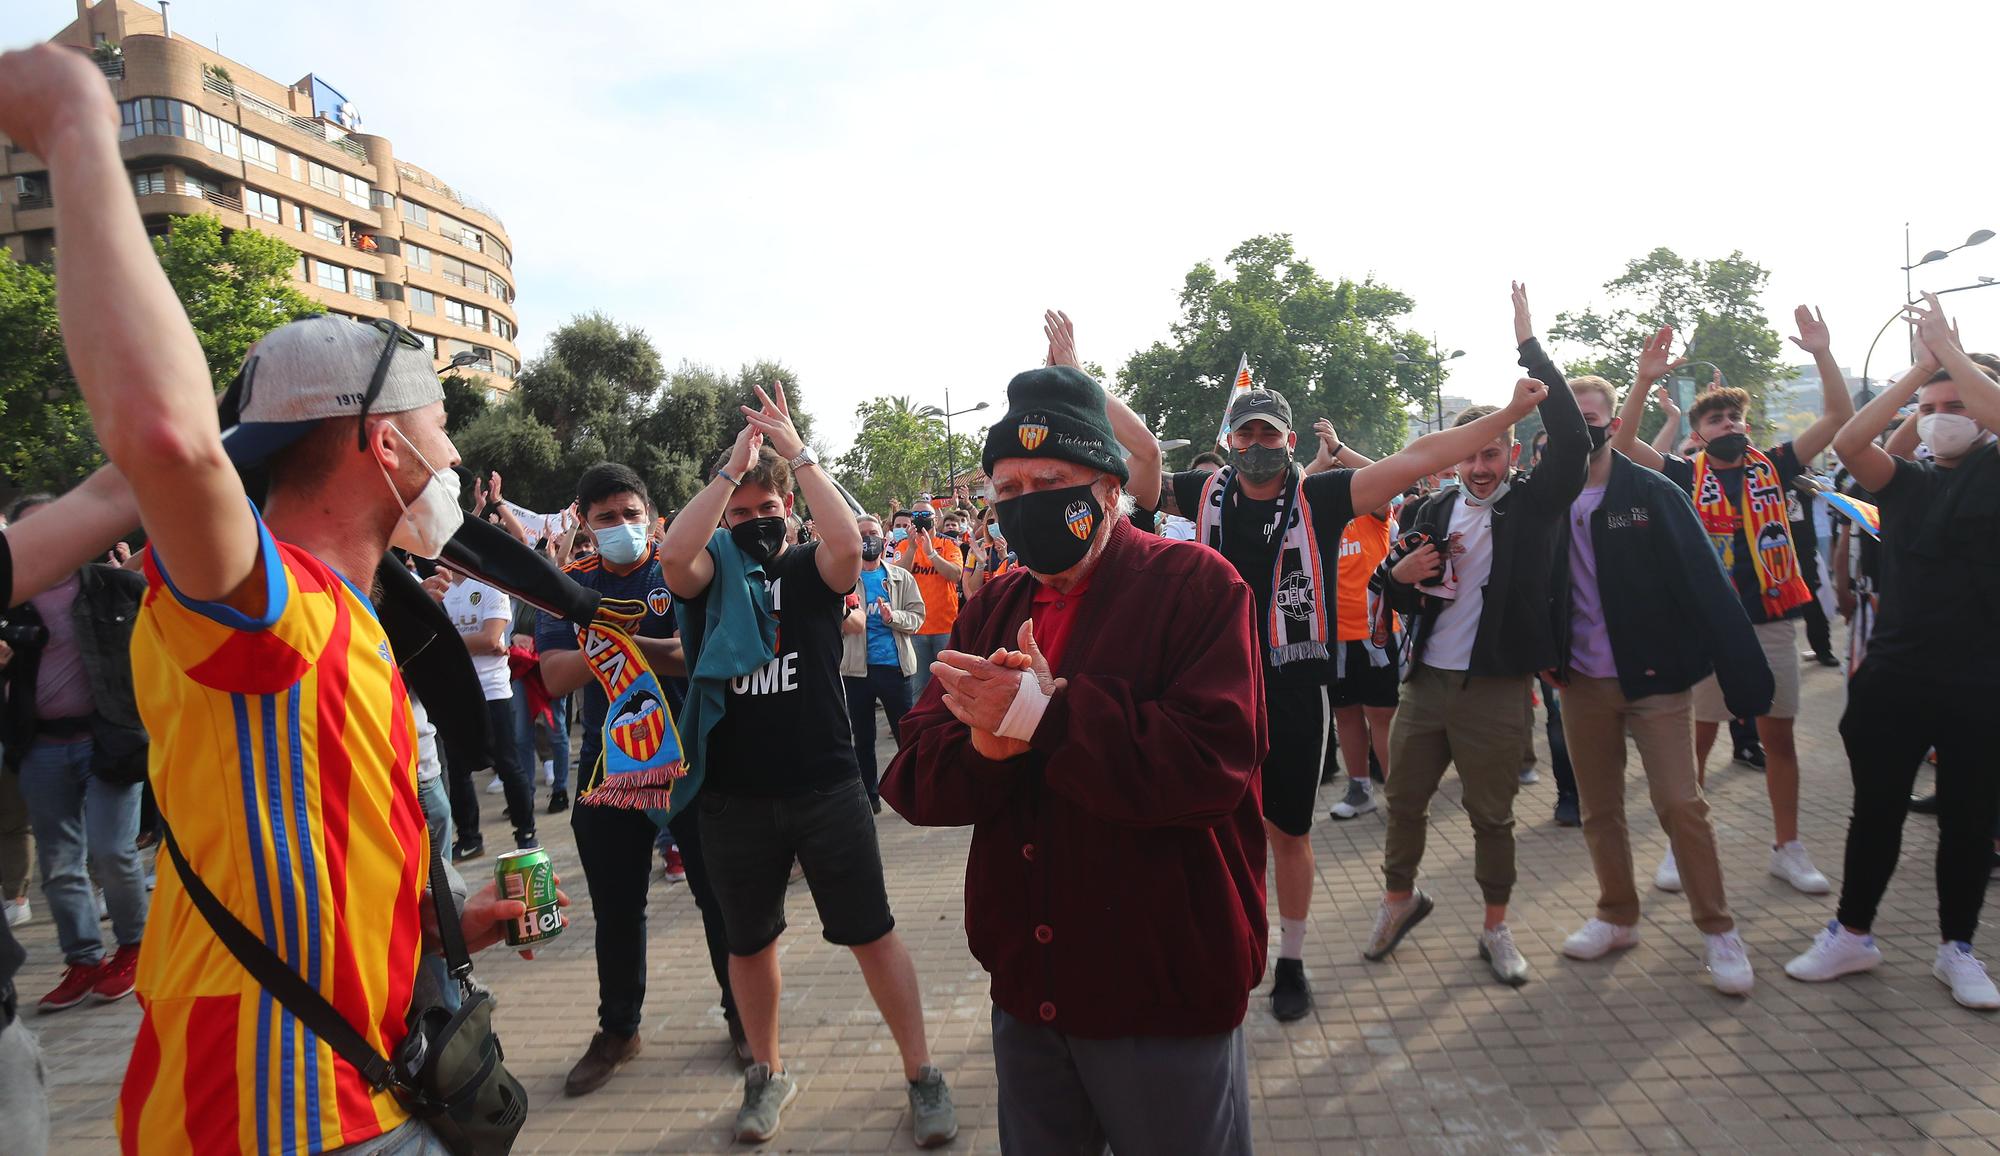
(1860, 513)
(1241, 386)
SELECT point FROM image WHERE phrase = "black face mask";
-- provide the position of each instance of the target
(1729, 447)
(871, 548)
(1051, 530)
(1599, 434)
(761, 538)
(1259, 464)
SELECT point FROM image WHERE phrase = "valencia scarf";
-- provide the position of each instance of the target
(1301, 614)
(641, 756)
(1760, 515)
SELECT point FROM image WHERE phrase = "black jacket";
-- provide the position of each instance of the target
(103, 615)
(1514, 628)
(1672, 614)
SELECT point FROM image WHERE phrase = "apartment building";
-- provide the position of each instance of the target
(377, 235)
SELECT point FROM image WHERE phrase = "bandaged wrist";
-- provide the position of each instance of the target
(1024, 714)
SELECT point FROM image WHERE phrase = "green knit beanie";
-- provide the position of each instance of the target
(1056, 412)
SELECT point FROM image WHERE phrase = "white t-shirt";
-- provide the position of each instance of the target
(1450, 645)
(428, 767)
(472, 604)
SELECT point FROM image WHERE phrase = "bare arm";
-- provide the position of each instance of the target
(143, 374)
(1656, 360)
(1377, 483)
(563, 671)
(684, 555)
(508, 518)
(1872, 466)
(1980, 393)
(1142, 449)
(1837, 405)
(491, 639)
(1670, 430)
(664, 655)
(72, 530)
(1904, 441)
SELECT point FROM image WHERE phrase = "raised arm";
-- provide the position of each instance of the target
(76, 528)
(1142, 449)
(1333, 453)
(1656, 361)
(142, 372)
(1905, 439)
(1869, 463)
(1559, 478)
(1377, 483)
(684, 555)
(508, 518)
(1837, 405)
(839, 553)
(1670, 430)
(1980, 393)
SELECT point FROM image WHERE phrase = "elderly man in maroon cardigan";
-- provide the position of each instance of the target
(1098, 721)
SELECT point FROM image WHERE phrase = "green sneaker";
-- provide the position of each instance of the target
(766, 1095)
(933, 1121)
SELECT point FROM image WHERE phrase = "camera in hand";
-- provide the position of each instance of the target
(1409, 544)
(923, 519)
(24, 635)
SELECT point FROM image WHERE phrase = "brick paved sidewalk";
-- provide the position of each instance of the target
(1422, 1054)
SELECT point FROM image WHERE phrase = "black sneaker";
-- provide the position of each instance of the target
(558, 801)
(464, 851)
(1752, 757)
(1291, 995)
(1826, 660)
(526, 842)
(1568, 814)
(1924, 804)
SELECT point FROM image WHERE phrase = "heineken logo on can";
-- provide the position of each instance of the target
(528, 876)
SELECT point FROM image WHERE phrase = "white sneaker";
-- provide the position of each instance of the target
(548, 774)
(1835, 953)
(19, 912)
(1791, 863)
(1668, 877)
(1530, 776)
(496, 787)
(1359, 800)
(1597, 939)
(1729, 964)
(1497, 948)
(1970, 985)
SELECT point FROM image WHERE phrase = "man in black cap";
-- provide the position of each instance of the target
(1281, 530)
(1115, 887)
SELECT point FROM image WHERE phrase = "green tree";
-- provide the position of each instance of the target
(236, 287)
(898, 452)
(1329, 347)
(464, 401)
(1715, 306)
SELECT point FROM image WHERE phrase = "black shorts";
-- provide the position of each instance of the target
(749, 843)
(1296, 719)
(1363, 684)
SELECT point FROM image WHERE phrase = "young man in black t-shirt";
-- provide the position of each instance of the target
(772, 738)
(615, 843)
(1932, 671)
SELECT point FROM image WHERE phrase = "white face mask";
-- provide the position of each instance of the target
(427, 525)
(1949, 435)
(622, 544)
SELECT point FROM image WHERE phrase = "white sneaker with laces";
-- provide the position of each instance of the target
(548, 773)
(1961, 970)
(1791, 863)
(1597, 939)
(1359, 800)
(1835, 953)
(496, 787)
(1668, 877)
(1496, 947)
(1729, 964)
(19, 912)
(1530, 776)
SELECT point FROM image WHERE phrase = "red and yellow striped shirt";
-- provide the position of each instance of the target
(284, 758)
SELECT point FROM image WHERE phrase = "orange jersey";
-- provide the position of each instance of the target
(940, 593)
(284, 759)
(1363, 545)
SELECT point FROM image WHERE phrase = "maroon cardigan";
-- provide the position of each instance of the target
(1116, 881)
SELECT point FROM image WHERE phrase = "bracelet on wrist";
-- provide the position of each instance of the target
(723, 473)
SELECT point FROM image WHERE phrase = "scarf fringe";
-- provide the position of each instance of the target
(647, 789)
(1299, 651)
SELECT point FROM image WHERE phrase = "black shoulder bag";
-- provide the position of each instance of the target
(448, 1071)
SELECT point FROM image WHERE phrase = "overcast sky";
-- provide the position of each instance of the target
(885, 195)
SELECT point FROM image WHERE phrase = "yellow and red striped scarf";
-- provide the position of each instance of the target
(1760, 513)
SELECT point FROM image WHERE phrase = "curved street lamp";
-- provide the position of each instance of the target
(947, 413)
(1866, 392)
(1437, 376)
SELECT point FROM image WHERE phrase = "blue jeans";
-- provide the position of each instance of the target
(436, 800)
(928, 646)
(75, 814)
(524, 735)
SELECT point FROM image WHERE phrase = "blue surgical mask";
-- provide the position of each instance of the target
(898, 535)
(623, 544)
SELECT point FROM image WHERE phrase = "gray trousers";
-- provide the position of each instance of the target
(1139, 1095)
(24, 1093)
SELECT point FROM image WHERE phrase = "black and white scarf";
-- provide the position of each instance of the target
(1301, 613)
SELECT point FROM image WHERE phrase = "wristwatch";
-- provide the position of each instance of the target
(805, 457)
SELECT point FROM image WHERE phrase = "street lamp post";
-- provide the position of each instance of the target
(947, 413)
(1977, 237)
(1437, 377)
(1866, 393)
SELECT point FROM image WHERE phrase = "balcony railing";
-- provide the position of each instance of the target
(365, 294)
(113, 67)
(218, 85)
(34, 201)
(427, 181)
(224, 200)
(273, 113)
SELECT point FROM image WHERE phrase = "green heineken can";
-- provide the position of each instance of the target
(529, 877)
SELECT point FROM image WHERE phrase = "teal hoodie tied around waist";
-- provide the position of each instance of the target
(735, 635)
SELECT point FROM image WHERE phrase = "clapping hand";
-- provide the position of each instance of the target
(1062, 337)
(774, 421)
(1328, 441)
(1938, 335)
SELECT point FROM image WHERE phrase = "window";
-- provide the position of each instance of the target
(505, 366)
(195, 187)
(298, 219)
(261, 204)
(330, 276)
(453, 270)
(454, 311)
(355, 190)
(416, 214)
(502, 327)
(321, 177)
(158, 116)
(417, 256)
(299, 268)
(498, 288)
(475, 317)
(421, 300)
(297, 167)
(260, 152)
(328, 229)
(380, 200)
(364, 284)
(152, 182)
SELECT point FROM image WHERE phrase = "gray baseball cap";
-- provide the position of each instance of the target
(307, 371)
(1260, 405)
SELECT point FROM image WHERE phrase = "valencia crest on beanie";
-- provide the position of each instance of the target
(1056, 412)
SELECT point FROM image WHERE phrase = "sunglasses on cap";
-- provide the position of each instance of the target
(396, 335)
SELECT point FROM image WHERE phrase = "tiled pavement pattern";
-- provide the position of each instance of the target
(1422, 1054)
